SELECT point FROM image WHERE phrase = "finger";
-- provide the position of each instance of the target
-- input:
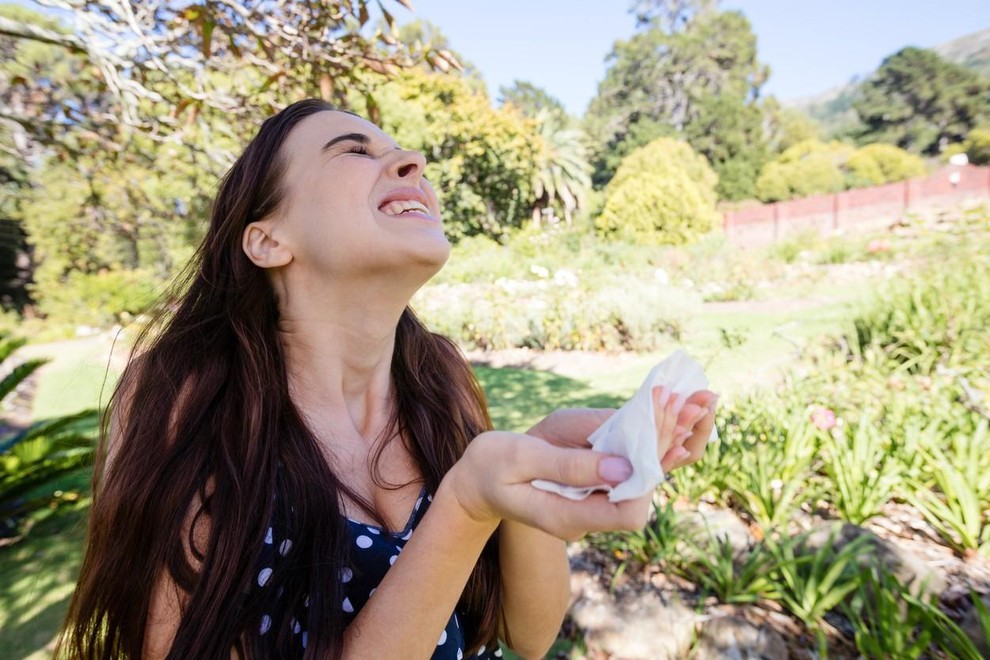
(571, 427)
(667, 423)
(674, 459)
(695, 445)
(703, 398)
(570, 466)
(570, 519)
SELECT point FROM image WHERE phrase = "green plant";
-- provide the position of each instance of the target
(955, 509)
(655, 544)
(36, 455)
(662, 193)
(716, 570)
(813, 584)
(860, 469)
(774, 452)
(888, 623)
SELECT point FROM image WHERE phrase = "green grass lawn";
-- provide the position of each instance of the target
(38, 574)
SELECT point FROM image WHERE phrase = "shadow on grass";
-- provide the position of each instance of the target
(518, 398)
(37, 576)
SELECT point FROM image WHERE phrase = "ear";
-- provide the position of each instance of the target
(262, 249)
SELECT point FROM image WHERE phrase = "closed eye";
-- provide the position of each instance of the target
(358, 149)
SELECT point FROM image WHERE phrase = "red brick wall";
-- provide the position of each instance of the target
(857, 210)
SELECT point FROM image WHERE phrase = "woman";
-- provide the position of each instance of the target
(274, 446)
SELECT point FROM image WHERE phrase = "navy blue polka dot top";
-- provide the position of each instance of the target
(374, 552)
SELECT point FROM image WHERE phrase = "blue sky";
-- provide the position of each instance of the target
(810, 45)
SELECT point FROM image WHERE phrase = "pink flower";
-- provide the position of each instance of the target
(823, 418)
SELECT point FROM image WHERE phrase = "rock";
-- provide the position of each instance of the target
(703, 527)
(631, 625)
(737, 639)
(909, 569)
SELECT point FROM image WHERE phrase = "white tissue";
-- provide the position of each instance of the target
(631, 431)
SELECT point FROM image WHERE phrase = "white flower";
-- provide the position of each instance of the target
(661, 276)
(539, 271)
(565, 277)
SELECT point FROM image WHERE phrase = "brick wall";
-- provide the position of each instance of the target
(856, 210)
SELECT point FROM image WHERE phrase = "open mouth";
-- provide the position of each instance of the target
(404, 206)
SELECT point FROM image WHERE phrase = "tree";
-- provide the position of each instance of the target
(662, 193)
(562, 175)
(156, 60)
(531, 100)
(120, 128)
(692, 72)
(480, 159)
(921, 102)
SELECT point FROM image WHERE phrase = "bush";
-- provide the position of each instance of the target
(662, 193)
(876, 164)
(977, 146)
(808, 168)
(99, 298)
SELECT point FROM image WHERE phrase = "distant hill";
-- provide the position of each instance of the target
(833, 108)
(972, 51)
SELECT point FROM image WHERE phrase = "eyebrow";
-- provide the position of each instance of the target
(354, 137)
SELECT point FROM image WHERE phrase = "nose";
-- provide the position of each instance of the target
(408, 164)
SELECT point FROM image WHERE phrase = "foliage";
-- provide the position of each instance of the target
(480, 160)
(977, 146)
(786, 126)
(887, 621)
(309, 48)
(718, 572)
(861, 470)
(690, 73)
(531, 100)
(561, 179)
(663, 193)
(807, 168)
(39, 453)
(656, 544)
(921, 102)
(876, 164)
(812, 584)
(934, 317)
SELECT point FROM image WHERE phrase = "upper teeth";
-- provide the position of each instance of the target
(401, 205)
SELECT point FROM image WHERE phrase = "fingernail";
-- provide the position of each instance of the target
(615, 469)
(681, 453)
(681, 437)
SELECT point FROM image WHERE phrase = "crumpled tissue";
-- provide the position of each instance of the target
(631, 432)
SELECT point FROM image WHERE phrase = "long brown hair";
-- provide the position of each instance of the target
(204, 414)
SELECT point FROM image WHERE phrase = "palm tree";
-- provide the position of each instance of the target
(563, 175)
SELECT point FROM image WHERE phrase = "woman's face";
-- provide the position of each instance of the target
(355, 204)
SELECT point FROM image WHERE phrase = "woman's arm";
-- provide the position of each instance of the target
(535, 586)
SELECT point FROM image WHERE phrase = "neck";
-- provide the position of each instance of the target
(339, 361)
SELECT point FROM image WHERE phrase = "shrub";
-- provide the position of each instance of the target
(98, 298)
(809, 167)
(662, 193)
(876, 164)
(977, 146)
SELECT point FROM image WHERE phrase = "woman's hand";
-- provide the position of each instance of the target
(491, 482)
(694, 426)
(570, 427)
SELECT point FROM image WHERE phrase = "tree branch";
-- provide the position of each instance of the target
(33, 32)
